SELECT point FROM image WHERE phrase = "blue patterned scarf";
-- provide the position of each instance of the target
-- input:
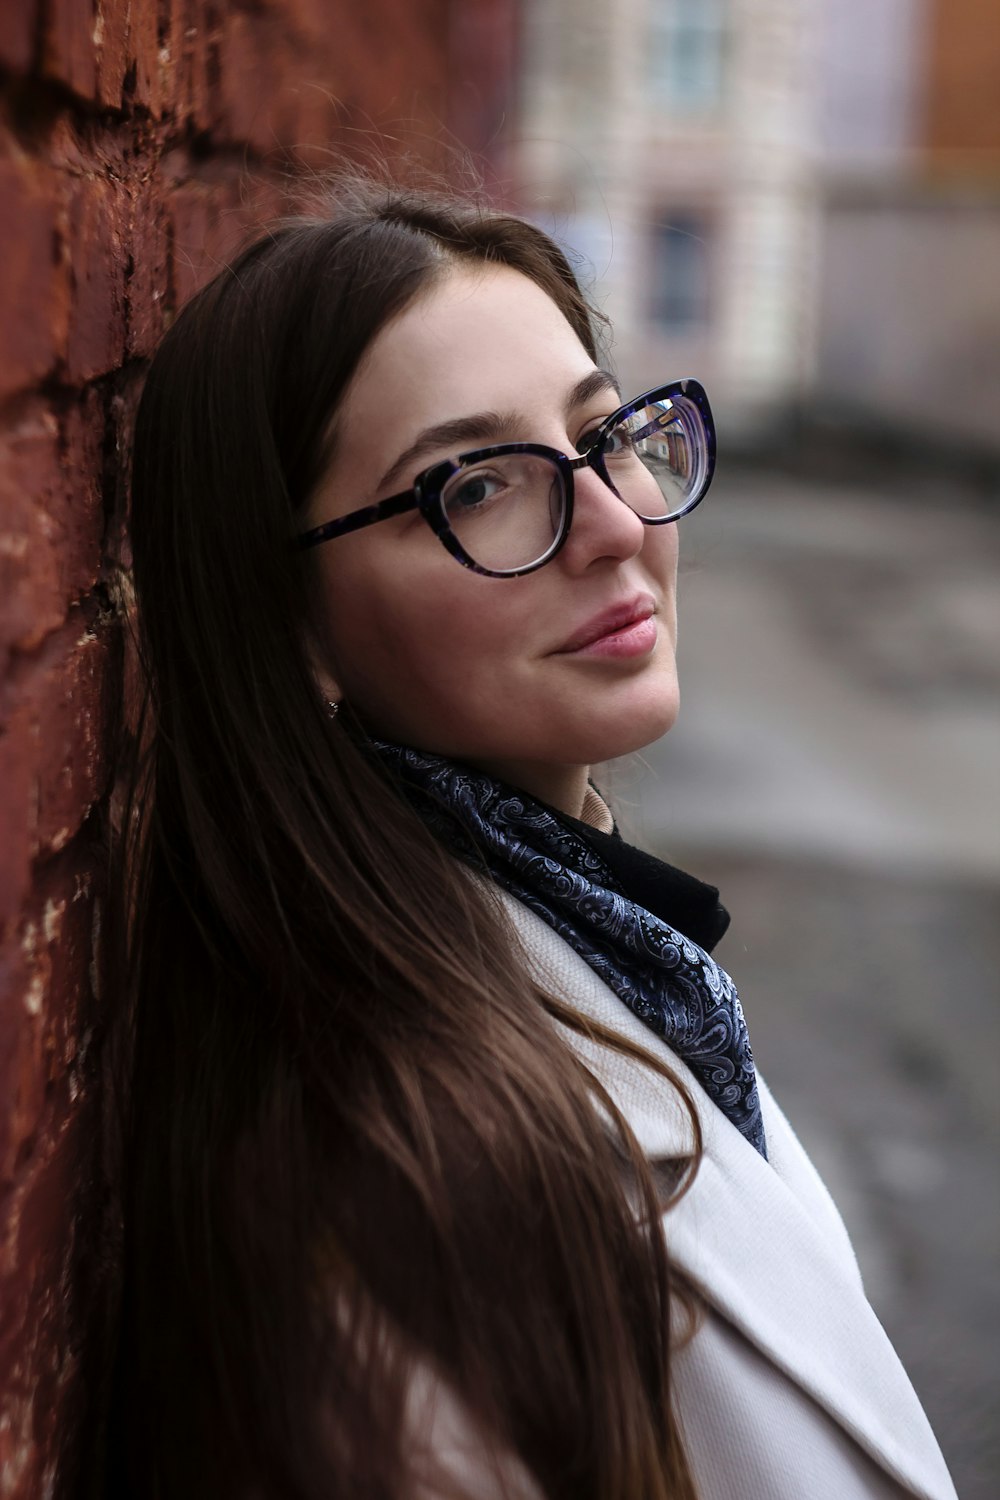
(667, 980)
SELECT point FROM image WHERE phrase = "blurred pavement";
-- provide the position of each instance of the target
(840, 677)
(836, 771)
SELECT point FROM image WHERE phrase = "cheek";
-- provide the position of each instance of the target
(412, 651)
(669, 542)
(659, 557)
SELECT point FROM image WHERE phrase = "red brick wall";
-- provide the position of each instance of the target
(137, 138)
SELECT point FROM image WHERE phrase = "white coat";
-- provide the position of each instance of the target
(790, 1389)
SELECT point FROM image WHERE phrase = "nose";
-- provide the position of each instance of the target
(603, 525)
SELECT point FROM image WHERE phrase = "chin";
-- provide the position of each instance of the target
(632, 726)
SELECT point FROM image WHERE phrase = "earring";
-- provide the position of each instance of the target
(333, 707)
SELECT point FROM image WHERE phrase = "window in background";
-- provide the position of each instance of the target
(679, 272)
(686, 56)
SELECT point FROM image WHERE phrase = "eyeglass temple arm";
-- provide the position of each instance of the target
(395, 505)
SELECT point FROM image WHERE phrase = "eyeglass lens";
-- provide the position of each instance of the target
(507, 512)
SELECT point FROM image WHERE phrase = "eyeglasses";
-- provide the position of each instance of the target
(507, 510)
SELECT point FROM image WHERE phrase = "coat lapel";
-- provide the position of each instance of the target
(761, 1239)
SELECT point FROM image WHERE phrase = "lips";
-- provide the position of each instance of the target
(621, 617)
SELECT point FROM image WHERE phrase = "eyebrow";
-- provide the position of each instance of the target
(489, 426)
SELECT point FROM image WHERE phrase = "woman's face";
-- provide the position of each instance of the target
(492, 671)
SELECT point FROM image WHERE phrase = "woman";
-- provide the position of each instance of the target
(422, 1052)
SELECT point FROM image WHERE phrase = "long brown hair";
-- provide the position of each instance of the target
(361, 1160)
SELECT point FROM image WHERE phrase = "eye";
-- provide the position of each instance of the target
(619, 443)
(473, 490)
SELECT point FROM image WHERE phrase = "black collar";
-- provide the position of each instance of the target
(672, 895)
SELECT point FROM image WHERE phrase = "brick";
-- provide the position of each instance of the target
(172, 59)
(97, 219)
(72, 768)
(37, 1244)
(120, 424)
(257, 67)
(288, 80)
(147, 283)
(111, 51)
(35, 1323)
(144, 53)
(200, 41)
(404, 79)
(30, 603)
(46, 1001)
(482, 54)
(21, 1074)
(208, 226)
(18, 821)
(79, 509)
(17, 36)
(69, 46)
(34, 287)
(128, 54)
(51, 519)
(192, 213)
(313, 128)
(54, 750)
(309, 20)
(340, 81)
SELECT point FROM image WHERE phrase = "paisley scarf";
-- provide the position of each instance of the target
(548, 863)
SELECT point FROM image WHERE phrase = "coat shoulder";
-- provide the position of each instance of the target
(790, 1345)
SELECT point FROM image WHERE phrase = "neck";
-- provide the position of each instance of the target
(563, 787)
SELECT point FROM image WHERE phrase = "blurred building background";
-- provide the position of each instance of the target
(798, 201)
(673, 146)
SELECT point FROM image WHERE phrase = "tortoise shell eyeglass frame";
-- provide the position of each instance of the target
(687, 398)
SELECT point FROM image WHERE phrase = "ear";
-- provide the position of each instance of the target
(326, 680)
